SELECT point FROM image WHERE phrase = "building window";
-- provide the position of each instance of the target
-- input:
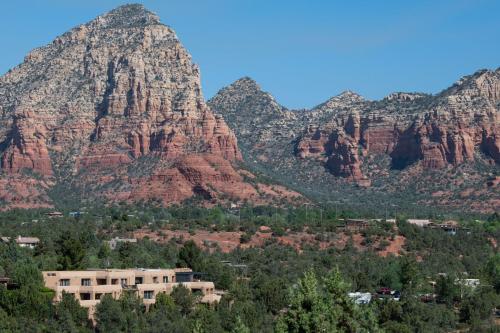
(101, 282)
(86, 282)
(98, 296)
(165, 279)
(148, 294)
(64, 282)
(123, 282)
(155, 279)
(114, 281)
(138, 280)
(85, 296)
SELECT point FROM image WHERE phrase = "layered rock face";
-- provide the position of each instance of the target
(106, 95)
(436, 131)
(347, 133)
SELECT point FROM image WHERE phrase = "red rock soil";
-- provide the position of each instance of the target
(228, 241)
(395, 247)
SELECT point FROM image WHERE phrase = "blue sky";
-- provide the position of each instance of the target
(303, 52)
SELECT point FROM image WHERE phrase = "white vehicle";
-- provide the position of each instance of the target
(361, 298)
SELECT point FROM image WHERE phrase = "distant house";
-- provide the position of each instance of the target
(354, 224)
(4, 281)
(393, 221)
(7, 283)
(449, 228)
(241, 268)
(113, 243)
(76, 214)
(420, 223)
(29, 242)
(53, 215)
(470, 283)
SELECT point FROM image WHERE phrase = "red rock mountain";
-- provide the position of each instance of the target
(113, 108)
(442, 148)
(435, 131)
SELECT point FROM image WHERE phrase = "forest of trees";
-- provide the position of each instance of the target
(282, 290)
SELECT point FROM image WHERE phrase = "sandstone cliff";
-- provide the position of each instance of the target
(349, 137)
(115, 106)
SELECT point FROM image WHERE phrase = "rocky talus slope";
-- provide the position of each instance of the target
(443, 148)
(113, 109)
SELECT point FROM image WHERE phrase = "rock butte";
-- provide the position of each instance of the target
(431, 131)
(115, 108)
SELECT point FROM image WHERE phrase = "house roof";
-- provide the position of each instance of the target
(27, 240)
(419, 222)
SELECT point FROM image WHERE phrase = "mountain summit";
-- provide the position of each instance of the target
(127, 16)
(113, 109)
(349, 149)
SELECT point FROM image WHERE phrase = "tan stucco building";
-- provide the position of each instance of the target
(89, 286)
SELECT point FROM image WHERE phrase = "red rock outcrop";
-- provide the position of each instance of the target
(26, 146)
(117, 102)
(337, 146)
(460, 121)
(205, 176)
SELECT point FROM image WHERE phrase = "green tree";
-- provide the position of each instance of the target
(164, 316)
(71, 252)
(240, 327)
(163, 302)
(109, 316)
(447, 290)
(395, 327)
(123, 315)
(270, 291)
(190, 256)
(183, 298)
(410, 275)
(30, 300)
(478, 306)
(493, 271)
(198, 327)
(133, 310)
(324, 306)
(207, 319)
(71, 316)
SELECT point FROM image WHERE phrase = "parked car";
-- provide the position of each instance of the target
(427, 298)
(384, 291)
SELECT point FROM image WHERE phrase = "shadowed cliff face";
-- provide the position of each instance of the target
(346, 133)
(91, 107)
(441, 130)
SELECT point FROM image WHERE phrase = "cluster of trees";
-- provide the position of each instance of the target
(273, 294)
